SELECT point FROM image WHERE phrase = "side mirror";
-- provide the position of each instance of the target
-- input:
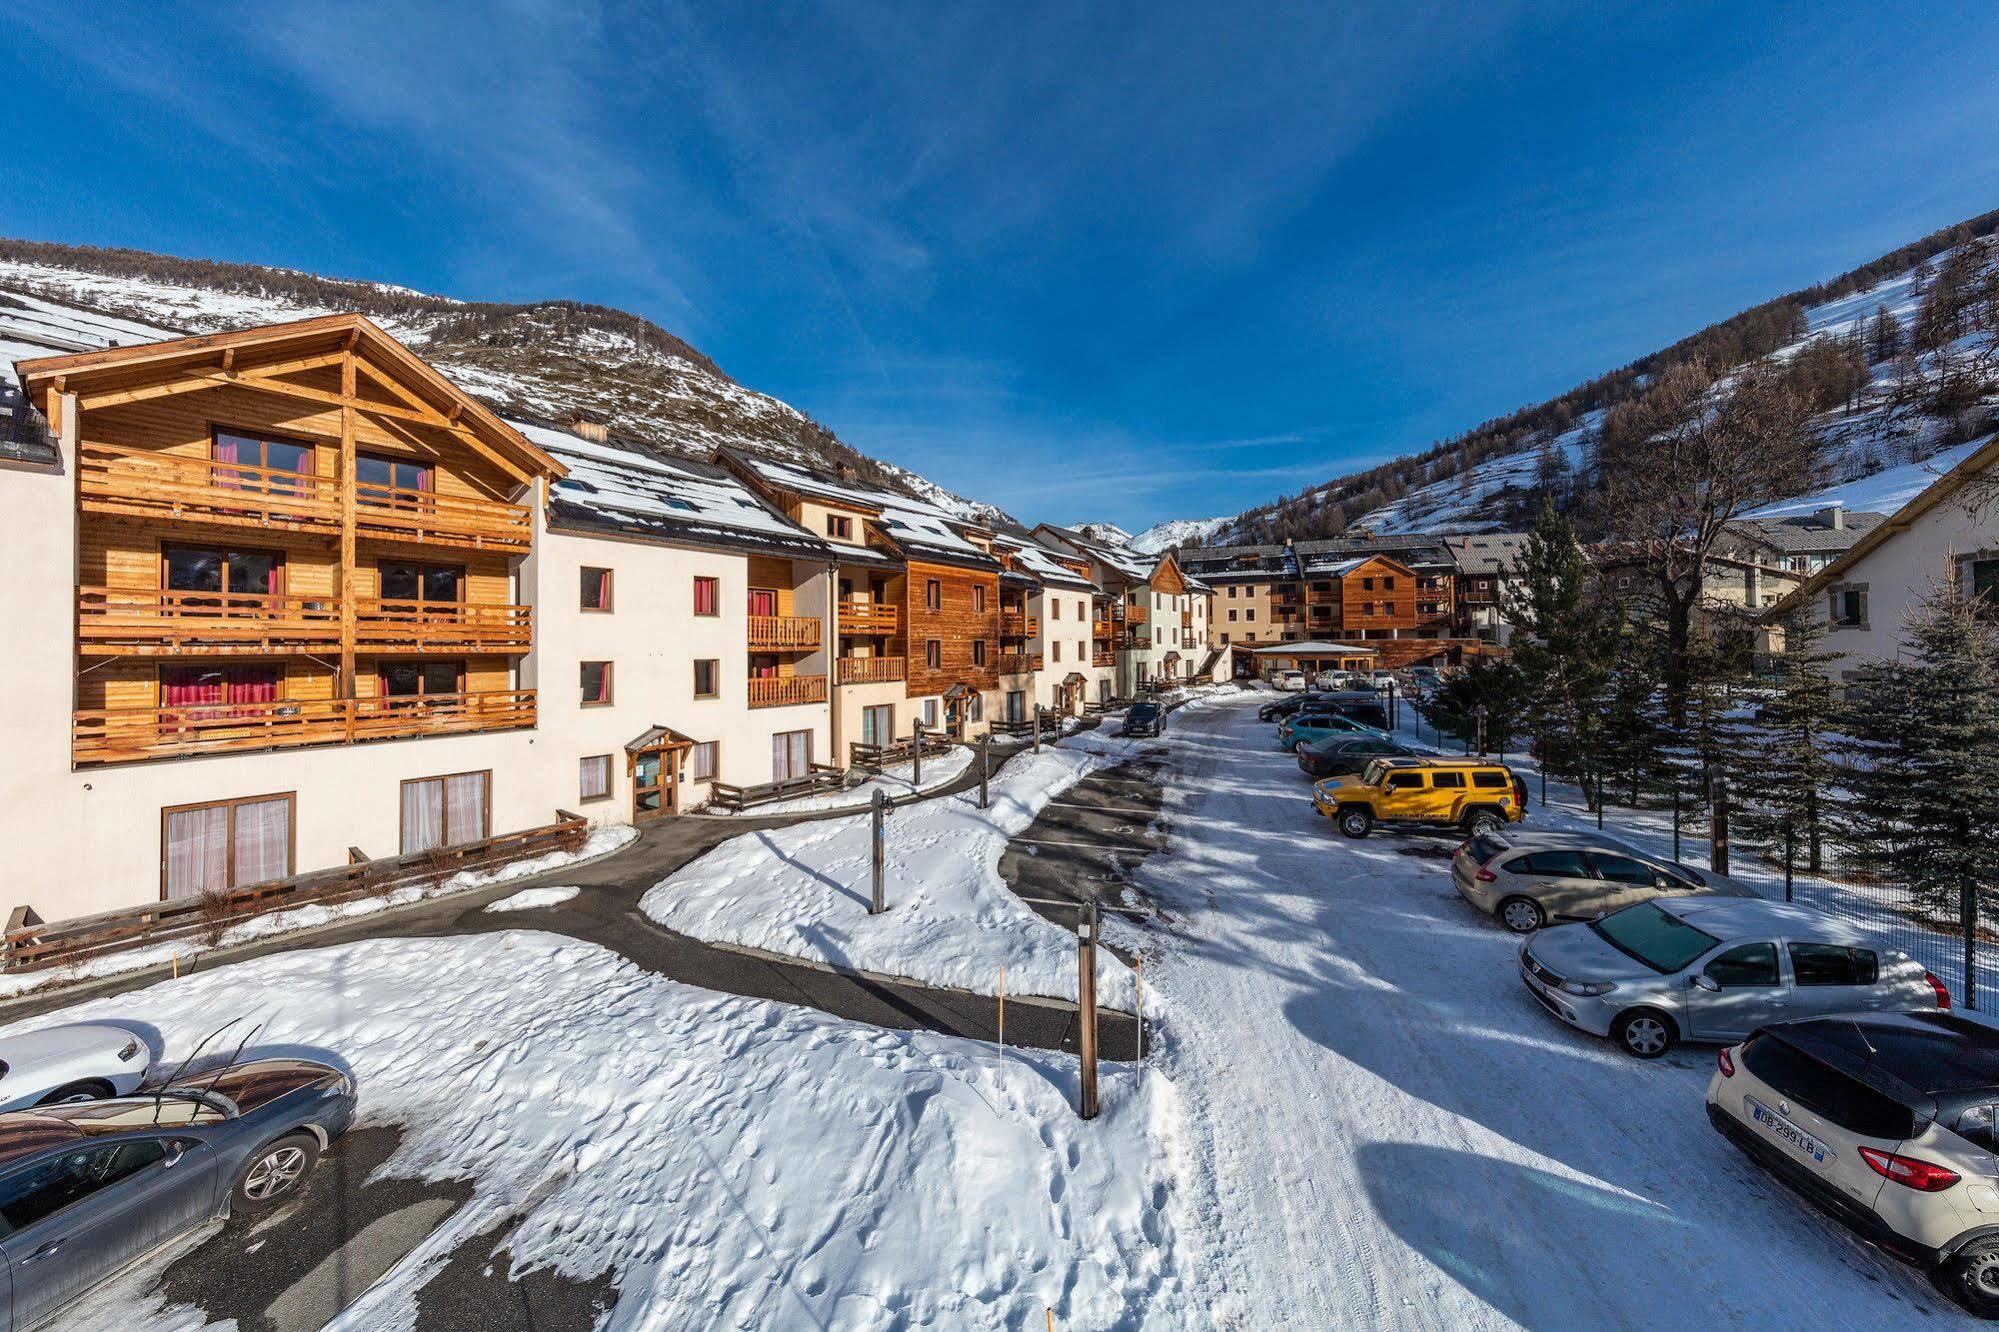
(1702, 981)
(175, 1151)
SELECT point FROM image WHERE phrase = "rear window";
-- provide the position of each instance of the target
(1565, 864)
(1484, 847)
(1826, 1091)
(1974, 1125)
(1833, 964)
(1662, 942)
(1490, 779)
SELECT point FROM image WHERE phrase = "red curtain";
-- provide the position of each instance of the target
(189, 687)
(704, 596)
(763, 602)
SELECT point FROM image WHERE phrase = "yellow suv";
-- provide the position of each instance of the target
(1474, 795)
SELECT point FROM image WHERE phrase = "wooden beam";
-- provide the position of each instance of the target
(347, 479)
(409, 399)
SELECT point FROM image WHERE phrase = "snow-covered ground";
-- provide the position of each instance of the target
(899, 781)
(534, 899)
(734, 1163)
(803, 891)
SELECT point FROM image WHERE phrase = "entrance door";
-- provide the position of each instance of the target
(655, 783)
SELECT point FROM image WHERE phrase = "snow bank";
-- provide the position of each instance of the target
(601, 842)
(532, 899)
(898, 781)
(732, 1162)
(804, 891)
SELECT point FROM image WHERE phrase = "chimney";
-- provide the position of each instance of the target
(1833, 516)
(586, 425)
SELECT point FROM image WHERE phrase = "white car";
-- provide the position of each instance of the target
(1293, 681)
(59, 1065)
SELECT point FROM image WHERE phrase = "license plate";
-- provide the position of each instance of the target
(1799, 1141)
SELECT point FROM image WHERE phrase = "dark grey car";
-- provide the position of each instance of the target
(86, 1190)
(1144, 719)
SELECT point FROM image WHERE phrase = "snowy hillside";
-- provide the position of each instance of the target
(1176, 532)
(539, 361)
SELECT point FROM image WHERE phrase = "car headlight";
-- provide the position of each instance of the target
(131, 1049)
(1588, 989)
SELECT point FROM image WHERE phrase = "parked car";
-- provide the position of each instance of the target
(1469, 794)
(1310, 725)
(1144, 719)
(1339, 754)
(1884, 1121)
(1714, 969)
(86, 1061)
(1361, 705)
(1382, 681)
(1290, 680)
(87, 1189)
(1528, 879)
(1283, 707)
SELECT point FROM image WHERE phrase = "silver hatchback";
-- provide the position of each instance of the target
(1530, 878)
(1714, 969)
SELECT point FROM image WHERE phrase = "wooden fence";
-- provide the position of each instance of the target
(876, 757)
(31, 944)
(820, 777)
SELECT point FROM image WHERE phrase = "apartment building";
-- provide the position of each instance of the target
(1157, 616)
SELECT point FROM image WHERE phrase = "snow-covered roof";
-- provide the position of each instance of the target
(917, 527)
(1035, 561)
(1228, 564)
(673, 499)
(1313, 647)
(1120, 559)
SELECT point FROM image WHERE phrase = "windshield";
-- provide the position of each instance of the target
(1144, 711)
(1662, 942)
(1373, 773)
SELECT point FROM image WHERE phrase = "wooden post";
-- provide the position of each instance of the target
(1037, 728)
(880, 806)
(985, 769)
(1718, 846)
(347, 539)
(916, 745)
(1086, 1004)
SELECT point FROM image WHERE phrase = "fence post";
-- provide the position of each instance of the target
(1718, 825)
(1086, 1004)
(1037, 728)
(1676, 823)
(880, 806)
(916, 745)
(1790, 855)
(985, 765)
(1968, 910)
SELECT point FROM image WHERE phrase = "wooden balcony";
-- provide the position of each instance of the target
(141, 483)
(1186, 619)
(441, 626)
(870, 670)
(1018, 663)
(1137, 614)
(1018, 624)
(134, 734)
(1103, 628)
(784, 633)
(1100, 657)
(116, 622)
(870, 619)
(394, 513)
(783, 691)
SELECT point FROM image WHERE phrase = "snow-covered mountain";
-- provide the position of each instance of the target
(1176, 532)
(537, 361)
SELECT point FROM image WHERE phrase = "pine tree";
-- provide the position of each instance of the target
(1927, 726)
(1790, 762)
(1884, 336)
(1633, 731)
(1564, 643)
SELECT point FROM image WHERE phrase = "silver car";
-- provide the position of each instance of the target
(1714, 969)
(1530, 878)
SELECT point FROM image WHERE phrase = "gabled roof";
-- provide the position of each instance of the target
(917, 528)
(1484, 555)
(1121, 560)
(1040, 565)
(1981, 460)
(1809, 533)
(117, 374)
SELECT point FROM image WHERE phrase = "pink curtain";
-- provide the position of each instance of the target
(197, 851)
(263, 841)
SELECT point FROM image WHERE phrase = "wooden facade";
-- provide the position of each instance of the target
(955, 625)
(290, 536)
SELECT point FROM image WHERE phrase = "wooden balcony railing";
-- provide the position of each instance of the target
(115, 622)
(869, 618)
(396, 513)
(781, 691)
(1018, 624)
(1103, 628)
(1137, 614)
(783, 633)
(442, 626)
(870, 670)
(1099, 657)
(1018, 663)
(128, 735)
(1186, 619)
(148, 484)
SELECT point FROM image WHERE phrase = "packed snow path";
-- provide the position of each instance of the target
(1385, 1130)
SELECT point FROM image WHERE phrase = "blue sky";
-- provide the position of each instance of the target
(1085, 261)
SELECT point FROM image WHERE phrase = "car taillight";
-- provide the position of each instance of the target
(1485, 875)
(1725, 1061)
(1937, 988)
(1909, 1172)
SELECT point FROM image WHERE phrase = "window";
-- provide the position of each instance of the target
(707, 595)
(1249, 614)
(1750, 964)
(878, 724)
(979, 599)
(975, 707)
(596, 683)
(930, 713)
(1388, 583)
(1367, 608)
(933, 653)
(1405, 781)
(1825, 1091)
(211, 686)
(1618, 869)
(1231, 591)
(763, 601)
(790, 755)
(1056, 647)
(45, 1189)
(402, 580)
(596, 589)
(224, 844)
(1849, 607)
(1225, 640)
(707, 677)
(277, 455)
(1490, 779)
(1454, 781)
(1551, 864)
(593, 778)
(706, 760)
(376, 473)
(1055, 608)
(420, 679)
(933, 594)
(1231, 615)
(1832, 964)
(978, 652)
(836, 526)
(205, 569)
(445, 811)
(1982, 573)
(1367, 585)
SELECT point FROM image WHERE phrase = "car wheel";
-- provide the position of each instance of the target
(1483, 821)
(1522, 915)
(75, 1093)
(1644, 1033)
(1356, 822)
(274, 1172)
(1971, 1277)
